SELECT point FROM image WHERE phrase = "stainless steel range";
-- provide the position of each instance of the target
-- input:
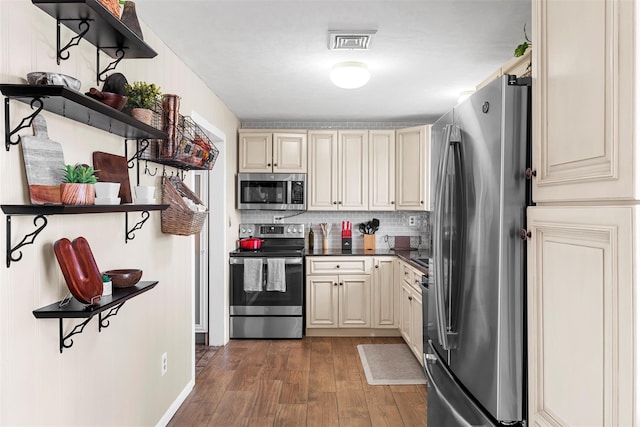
(267, 284)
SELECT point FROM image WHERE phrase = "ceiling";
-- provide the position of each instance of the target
(269, 60)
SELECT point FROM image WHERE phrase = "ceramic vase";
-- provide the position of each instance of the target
(77, 194)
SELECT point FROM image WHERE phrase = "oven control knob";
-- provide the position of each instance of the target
(242, 230)
(249, 230)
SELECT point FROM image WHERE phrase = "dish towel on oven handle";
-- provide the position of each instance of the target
(253, 276)
(276, 279)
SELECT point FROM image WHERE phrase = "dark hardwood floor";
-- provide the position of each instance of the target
(310, 382)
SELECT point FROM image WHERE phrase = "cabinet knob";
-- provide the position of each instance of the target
(340, 203)
(335, 284)
(335, 203)
(275, 165)
(338, 266)
(393, 203)
(341, 283)
(268, 164)
(377, 266)
(422, 202)
(410, 299)
(530, 173)
(524, 234)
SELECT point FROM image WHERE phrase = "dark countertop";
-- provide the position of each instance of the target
(405, 255)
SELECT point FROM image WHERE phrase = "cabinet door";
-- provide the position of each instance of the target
(322, 177)
(382, 170)
(416, 325)
(412, 168)
(384, 293)
(353, 171)
(322, 301)
(289, 153)
(583, 105)
(580, 315)
(406, 319)
(355, 301)
(255, 152)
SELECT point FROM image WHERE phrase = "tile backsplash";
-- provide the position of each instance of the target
(391, 224)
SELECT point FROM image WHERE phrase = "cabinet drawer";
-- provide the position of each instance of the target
(407, 273)
(338, 265)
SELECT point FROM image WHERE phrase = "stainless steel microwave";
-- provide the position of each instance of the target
(272, 191)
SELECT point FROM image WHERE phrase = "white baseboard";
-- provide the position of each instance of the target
(176, 404)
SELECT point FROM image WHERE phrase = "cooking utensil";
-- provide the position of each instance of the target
(251, 243)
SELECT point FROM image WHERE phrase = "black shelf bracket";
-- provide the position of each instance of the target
(24, 123)
(120, 54)
(103, 322)
(141, 146)
(130, 233)
(27, 240)
(76, 330)
(83, 29)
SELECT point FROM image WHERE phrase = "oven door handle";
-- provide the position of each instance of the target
(288, 261)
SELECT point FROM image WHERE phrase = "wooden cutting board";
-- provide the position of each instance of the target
(43, 164)
(112, 168)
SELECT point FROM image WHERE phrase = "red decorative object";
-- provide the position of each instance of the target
(79, 269)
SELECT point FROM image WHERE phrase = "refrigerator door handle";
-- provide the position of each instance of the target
(438, 257)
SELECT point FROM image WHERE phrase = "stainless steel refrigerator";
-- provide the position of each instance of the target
(474, 320)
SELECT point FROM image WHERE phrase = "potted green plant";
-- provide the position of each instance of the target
(77, 186)
(141, 98)
(107, 285)
(521, 49)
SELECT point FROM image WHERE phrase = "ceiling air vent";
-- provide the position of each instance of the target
(350, 40)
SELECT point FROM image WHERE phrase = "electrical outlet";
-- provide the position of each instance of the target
(277, 219)
(412, 221)
(163, 364)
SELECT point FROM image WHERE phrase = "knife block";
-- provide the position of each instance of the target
(369, 242)
(346, 244)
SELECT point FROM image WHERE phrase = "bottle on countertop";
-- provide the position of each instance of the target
(311, 238)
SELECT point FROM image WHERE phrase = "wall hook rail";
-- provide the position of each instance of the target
(120, 54)
(147, 171)
(83, 29)
(130, 233)
(24, 123)
(27, 240)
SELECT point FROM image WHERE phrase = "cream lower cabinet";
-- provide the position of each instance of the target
(408, 285)
(338, 300)
(412, 168)
(385, 297)
(338, 170)
(581, 291)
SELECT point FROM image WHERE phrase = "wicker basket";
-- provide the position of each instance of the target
(178, 218)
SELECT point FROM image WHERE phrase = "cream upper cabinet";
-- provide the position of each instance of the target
(412, 168)
(322, 179)
(581, 292)
(338, 170)
(272, 152)
(384, 293)
(382, 170)
(584, 142)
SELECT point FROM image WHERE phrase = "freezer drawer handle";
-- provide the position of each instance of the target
(430, 358)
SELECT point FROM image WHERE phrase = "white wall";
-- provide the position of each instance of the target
(112, 377)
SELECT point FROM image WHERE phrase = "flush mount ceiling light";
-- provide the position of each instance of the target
(350, 75)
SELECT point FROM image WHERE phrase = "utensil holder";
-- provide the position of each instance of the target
(325, 244)
(369, 242)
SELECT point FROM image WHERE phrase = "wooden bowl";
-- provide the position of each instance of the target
(113, 100)
(124, 278)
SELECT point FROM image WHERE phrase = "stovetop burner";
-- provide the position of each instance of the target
(278, 240)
